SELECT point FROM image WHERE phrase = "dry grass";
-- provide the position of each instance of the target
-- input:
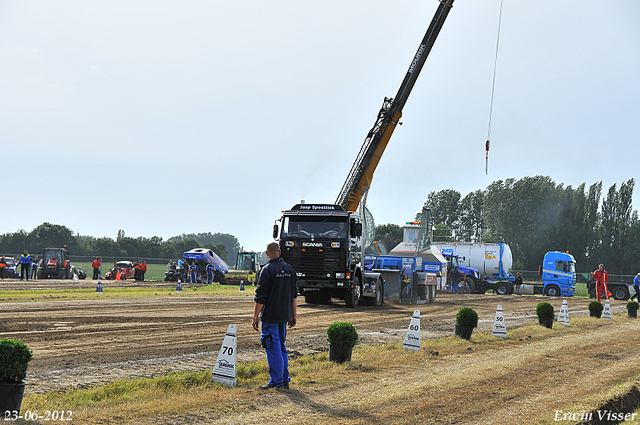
(522, 379)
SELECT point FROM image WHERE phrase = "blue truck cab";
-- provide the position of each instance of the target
(559, 274)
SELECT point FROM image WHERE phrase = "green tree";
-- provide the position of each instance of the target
(522, 213)
(444, 206)
(617, 219)
(51, 235)
(442, 233)
(389, 234)
(470, 217)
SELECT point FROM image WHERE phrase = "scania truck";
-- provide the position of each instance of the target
(323, 243)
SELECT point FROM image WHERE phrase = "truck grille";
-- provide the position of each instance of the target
(315, 263)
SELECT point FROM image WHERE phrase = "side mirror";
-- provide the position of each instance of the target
(275, 231)
(356, 229)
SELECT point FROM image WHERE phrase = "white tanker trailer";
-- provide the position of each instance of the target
(492, 260)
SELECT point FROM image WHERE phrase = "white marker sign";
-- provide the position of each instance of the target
(412, 340)
(563, 317)
(499, 328)
(606, 314)
(224, 372)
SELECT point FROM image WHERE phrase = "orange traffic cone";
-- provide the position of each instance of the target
(118, 275)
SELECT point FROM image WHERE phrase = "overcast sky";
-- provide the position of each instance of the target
(171, 117)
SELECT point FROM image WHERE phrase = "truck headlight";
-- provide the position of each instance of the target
(340, 284)
(339, 275)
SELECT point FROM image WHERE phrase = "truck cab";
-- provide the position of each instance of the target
(246, 271)
(323, 243)
(559, 274)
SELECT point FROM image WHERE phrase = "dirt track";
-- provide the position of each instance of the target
(81, 343)
(86, 342)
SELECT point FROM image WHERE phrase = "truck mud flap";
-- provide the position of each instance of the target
(369, 284)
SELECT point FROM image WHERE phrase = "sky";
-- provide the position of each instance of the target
(164, 118)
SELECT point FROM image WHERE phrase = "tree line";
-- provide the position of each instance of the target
(534, 215)
(49, 235)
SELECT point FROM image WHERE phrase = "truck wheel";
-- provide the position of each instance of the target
(378, 300)
(60, 274)
(352, 296)
(463, 287)
(471, 284)
(620, 293)
(309, 299)
(501, 289)
(552, 291)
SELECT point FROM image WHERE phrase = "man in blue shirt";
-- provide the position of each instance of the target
(209, 273)
(25, 265)
(276, 305)
(636, 286)
(193, 269)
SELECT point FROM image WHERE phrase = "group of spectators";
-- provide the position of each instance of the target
(28, 266)
(140, 269)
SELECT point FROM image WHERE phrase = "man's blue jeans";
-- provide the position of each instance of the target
(454, 287)
(273, 337)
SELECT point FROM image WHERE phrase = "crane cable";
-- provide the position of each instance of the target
(493, 89)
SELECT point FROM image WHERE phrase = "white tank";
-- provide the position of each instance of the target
(488, 258)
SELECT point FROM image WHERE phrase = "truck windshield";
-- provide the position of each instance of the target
(51, 255)
(314, 227)
(244, 262)
(411, 235)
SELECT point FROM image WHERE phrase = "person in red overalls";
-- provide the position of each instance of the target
(143, 270)
(96, 267)
(602, 278)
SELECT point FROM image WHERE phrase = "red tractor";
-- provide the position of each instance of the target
(55, 264)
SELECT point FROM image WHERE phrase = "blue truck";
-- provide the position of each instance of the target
(558, 271)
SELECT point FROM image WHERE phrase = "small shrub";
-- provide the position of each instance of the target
(467, 317)
(544, 309)
(596, 306)
(632, 305)
(14, 360)
(342, 333)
